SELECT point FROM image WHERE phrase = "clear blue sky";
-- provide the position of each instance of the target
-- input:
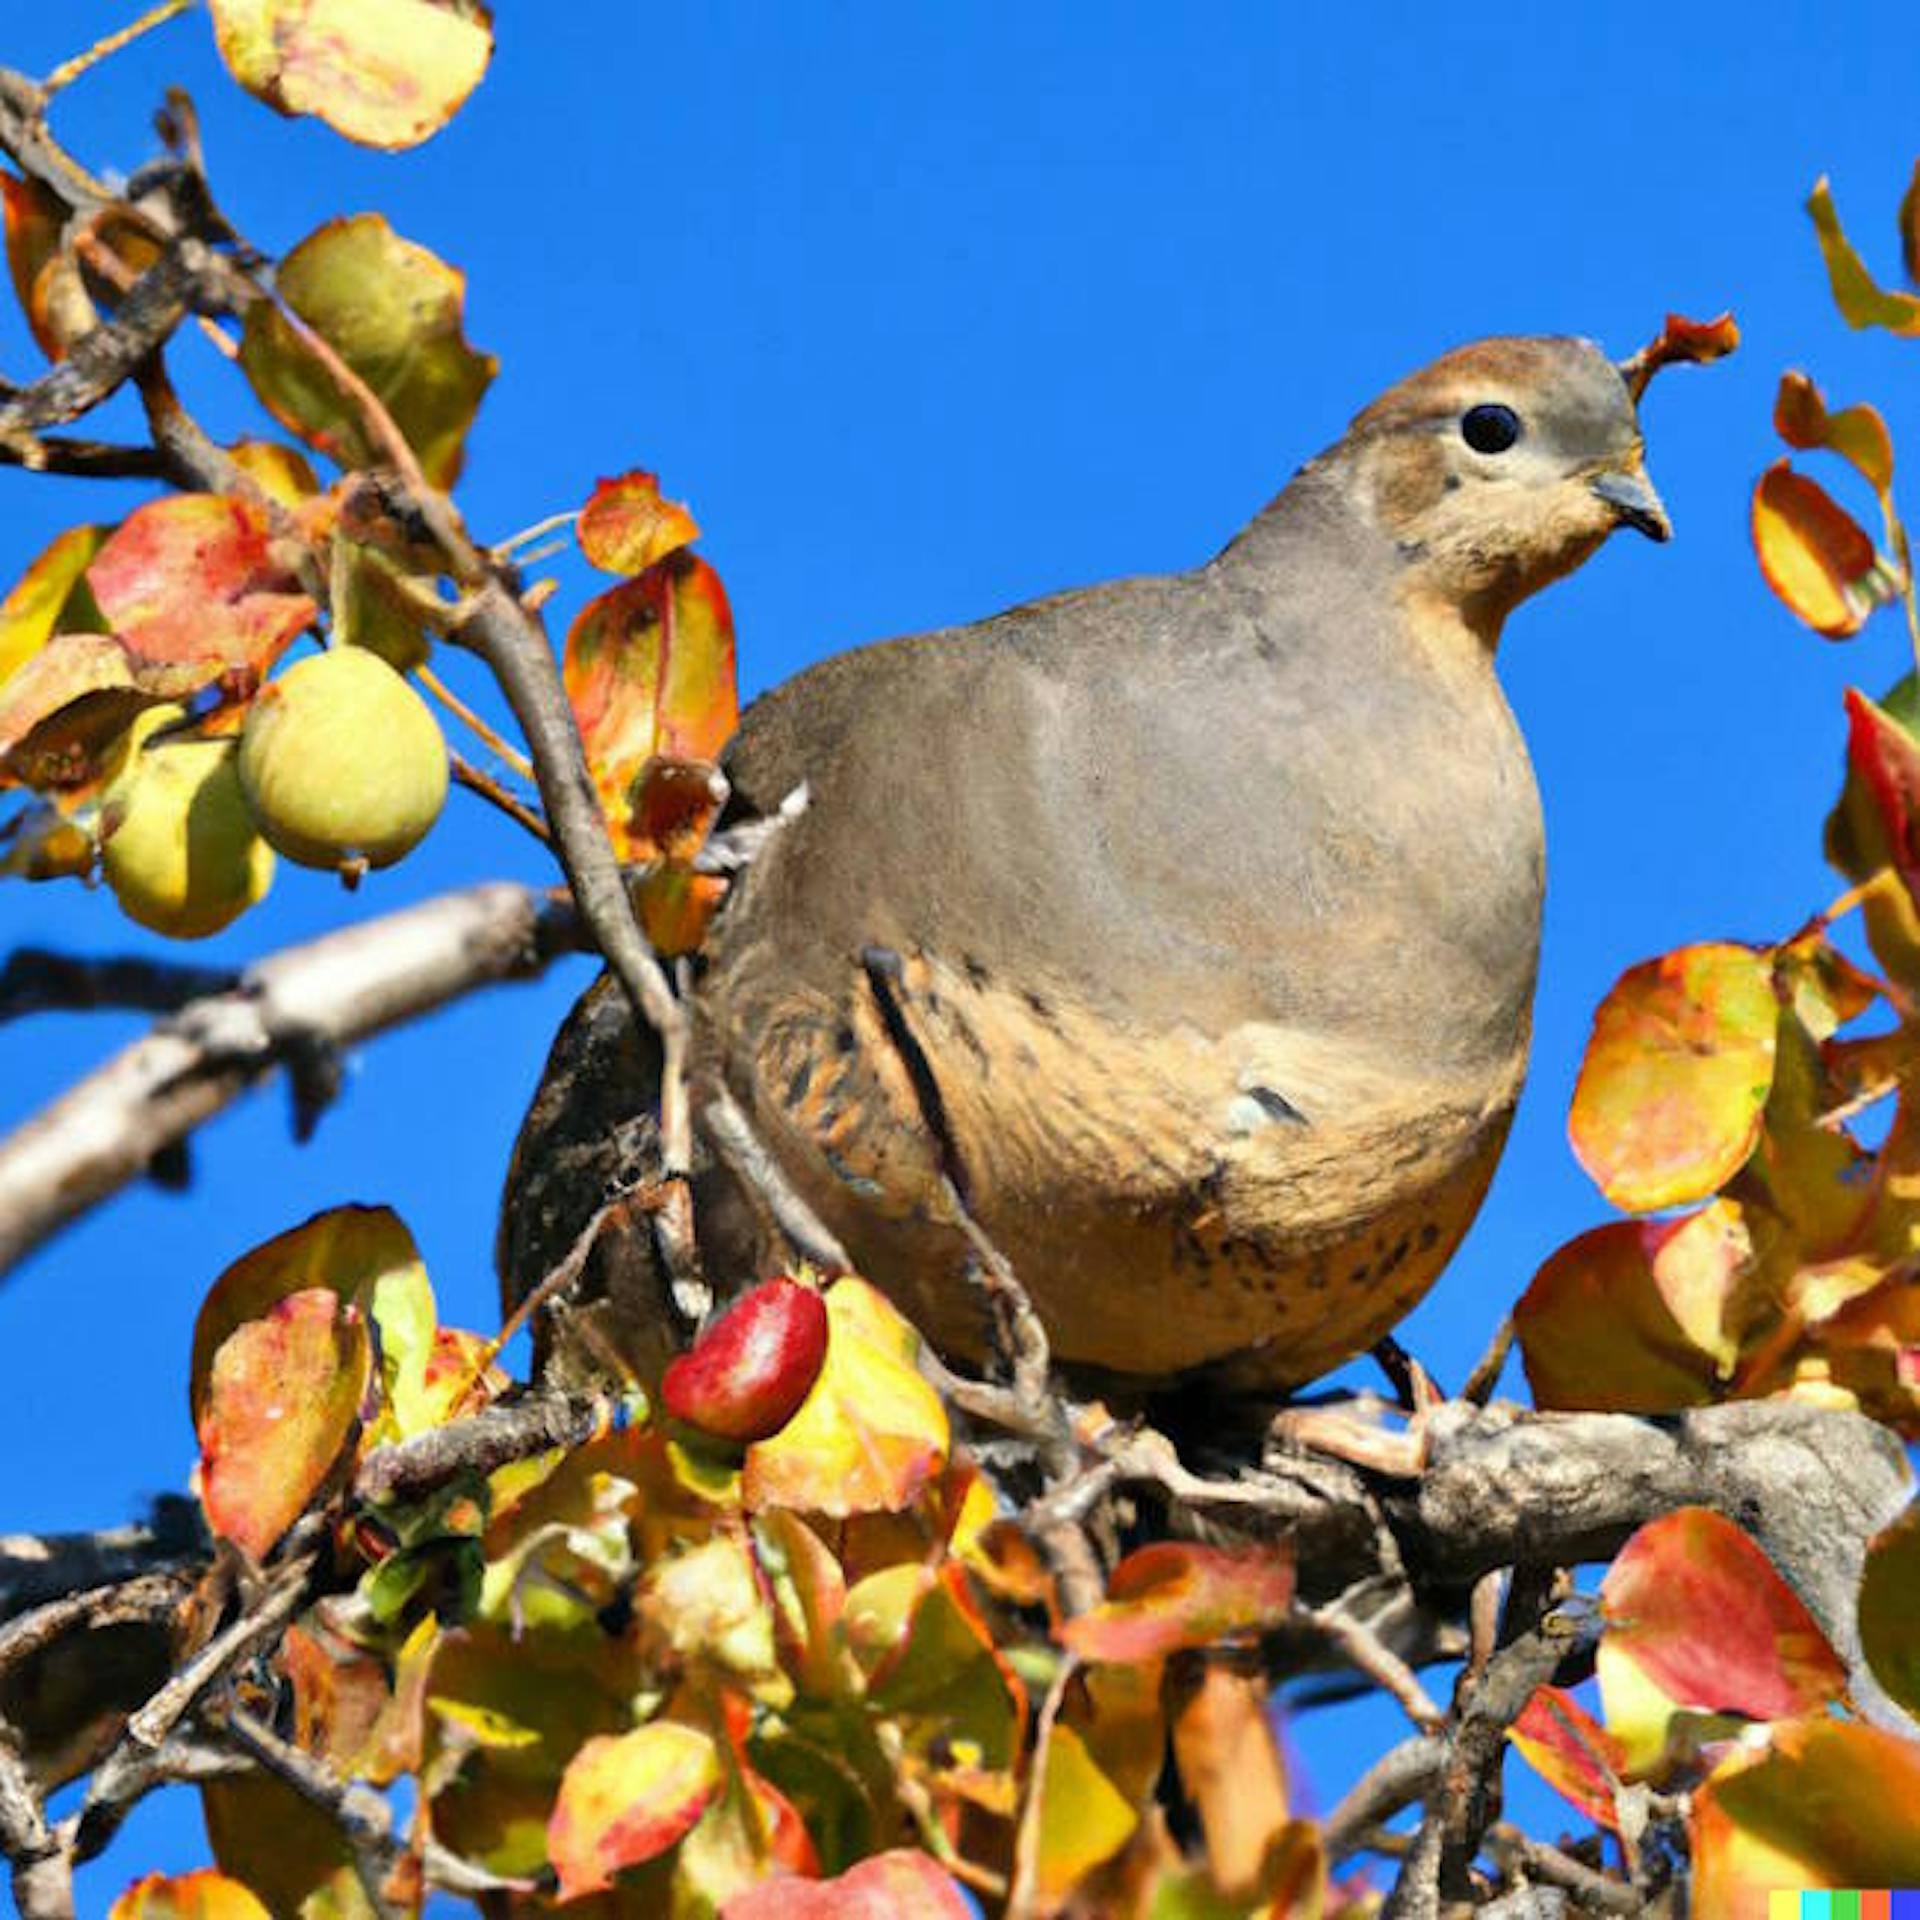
(930, 310)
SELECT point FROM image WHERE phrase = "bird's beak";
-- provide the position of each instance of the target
(1630, 494)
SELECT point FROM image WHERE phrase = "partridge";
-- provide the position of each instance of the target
(1180, 931)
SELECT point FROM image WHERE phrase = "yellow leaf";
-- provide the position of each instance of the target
(870, 1434)
(1084, 1817)
(386, 73)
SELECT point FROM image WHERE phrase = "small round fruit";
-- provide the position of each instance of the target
(182, 854)
(747, 1374)
(342, 761)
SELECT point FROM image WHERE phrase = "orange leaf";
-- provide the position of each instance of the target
(205, 1895)
(1596, 1332)
(386, 73)
(1826, 1805)
(872, 1432)
(1681, 342)
(1698, 1609)
(1862, 301)
(1572, 1751)
(1858, 433)
(649, 669)
(626, 1798)
(1676, 1075)
(626, 526)
(366, 1256)
(1815, 556)
(1170, 1595)
(1231, 1770)
(198, 574)
(900, 1885)
(64, 714)
(282, 1399)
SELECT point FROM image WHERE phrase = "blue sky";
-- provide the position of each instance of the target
(929, 310)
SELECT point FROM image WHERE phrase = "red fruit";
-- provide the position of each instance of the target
(746, 1376)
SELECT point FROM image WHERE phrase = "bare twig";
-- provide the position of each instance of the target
(37, 980)
(478, 780)
(330, 993)
(84, 459)
(1024, 1891)
(1536, 1860)
(488, 1439)
(1371, 1656)
(42, 1869)
(1401, 1775)
(69, 71)
(1478, 1387)
(37, 1568)
(479, 727)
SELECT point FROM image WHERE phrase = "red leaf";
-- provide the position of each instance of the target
(198, 574)
(626, 1799)
(281, 1402)
(1170, 1595)
(1699, 1609)
(1887, 758)
(1570, 1749)
(901, 1885)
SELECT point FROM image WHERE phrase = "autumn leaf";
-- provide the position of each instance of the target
(1571, 1751)
(626, 1798)
(367, 1257)
(1171, 1595)
(392, 311)
(1825, 1804)
(1697, 1618)
(51, 596)
(205, 1895)
(1857, 433)
(197, 576)
(1084, 1817)
(64, 715)
(1861, 299)
(649, 670)
(627, 526)
(1886, 757)
(1596, 1332)
(1681, 342)
(900, 1885)
(385, 73)
(282, 1398)
(1815, 556)
(870, 1434)
(1676, 1075)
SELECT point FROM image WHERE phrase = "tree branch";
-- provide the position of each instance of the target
(310, 999)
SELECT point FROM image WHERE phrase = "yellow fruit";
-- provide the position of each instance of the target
(342, 761)
(182, 855)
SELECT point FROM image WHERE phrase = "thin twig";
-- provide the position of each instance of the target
(1370, 1655)
(489, 1439)
(481, 729)
(477, 780)
(1478, 1387)
(327, 994)
(37, 980)
(1024, 1891)
(70, 70)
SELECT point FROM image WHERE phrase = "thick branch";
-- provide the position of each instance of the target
(305, 1001)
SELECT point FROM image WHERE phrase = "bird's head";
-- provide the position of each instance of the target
(1501, 467)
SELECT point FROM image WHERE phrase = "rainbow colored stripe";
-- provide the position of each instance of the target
(1871, 1903)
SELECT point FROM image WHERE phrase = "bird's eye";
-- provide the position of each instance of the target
(1490, 429)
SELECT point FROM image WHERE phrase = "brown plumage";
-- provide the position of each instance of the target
(1188, 924)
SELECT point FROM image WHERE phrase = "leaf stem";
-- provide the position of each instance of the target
(504, 747)
(511, 545)
(478, 780)
(69, 71)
